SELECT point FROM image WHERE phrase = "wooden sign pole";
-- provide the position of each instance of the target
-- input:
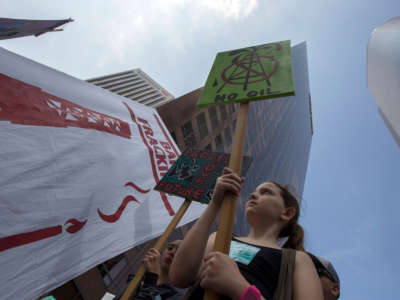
(133, 285)
(228, 207)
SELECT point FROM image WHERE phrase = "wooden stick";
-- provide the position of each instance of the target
(133, 285)
(228, 207)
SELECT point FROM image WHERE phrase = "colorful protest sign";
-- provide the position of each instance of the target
(15, 28)
(248, 74)
(194, 174)
(77, 168)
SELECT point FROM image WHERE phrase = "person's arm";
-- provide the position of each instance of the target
(306, 283)
(189, 256)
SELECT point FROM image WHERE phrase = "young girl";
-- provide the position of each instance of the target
(272, 212)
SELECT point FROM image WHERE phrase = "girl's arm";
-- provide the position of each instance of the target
(306, 283)
(189, 256)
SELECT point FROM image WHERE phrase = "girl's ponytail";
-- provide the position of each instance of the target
(292, 229)
(296, 238)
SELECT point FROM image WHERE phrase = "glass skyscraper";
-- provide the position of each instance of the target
(278, 138)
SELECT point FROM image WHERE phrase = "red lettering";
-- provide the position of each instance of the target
(188, 151)
(196, 153)
(208, 168)
(211, 156)
(188, 191)
(181, 191)
(161, 184)
(143, 121)
(168, 187)
(221, 157)
(166, 146)
(161, 159)
(204, 155)
(205, 172)
(148, 132)
(197, 194)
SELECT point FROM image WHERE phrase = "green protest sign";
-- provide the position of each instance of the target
(194, 174)
(248, 74)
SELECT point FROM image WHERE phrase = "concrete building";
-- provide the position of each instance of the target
(135, 85)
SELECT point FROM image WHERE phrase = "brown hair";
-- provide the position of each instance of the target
(292, 229)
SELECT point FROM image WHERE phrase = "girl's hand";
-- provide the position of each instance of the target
(221, 274)
(227, 182)
(152, 261)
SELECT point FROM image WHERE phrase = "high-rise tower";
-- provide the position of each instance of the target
(135, 85)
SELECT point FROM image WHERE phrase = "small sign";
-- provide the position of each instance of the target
(194, 174)
(248, 74)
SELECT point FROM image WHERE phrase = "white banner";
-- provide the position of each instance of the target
(77, 169)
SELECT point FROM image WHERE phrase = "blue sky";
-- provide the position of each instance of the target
(351, 194)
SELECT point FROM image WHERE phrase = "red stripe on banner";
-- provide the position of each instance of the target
(24, 104)
(153, 163)
(13, 241)
(165, 134)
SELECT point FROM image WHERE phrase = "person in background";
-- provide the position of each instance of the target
(329, 278)
(156, 284)
(251, 271)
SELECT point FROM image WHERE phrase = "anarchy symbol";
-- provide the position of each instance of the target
(249, 67)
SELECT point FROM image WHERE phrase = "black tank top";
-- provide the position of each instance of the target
(259, 265)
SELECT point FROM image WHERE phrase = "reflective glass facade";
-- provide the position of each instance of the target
(278, 138)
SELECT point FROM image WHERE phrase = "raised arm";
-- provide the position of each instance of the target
(189, 256)
(306, 283)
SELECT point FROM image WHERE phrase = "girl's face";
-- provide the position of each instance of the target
(266, 201)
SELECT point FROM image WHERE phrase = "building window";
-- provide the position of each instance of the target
(188, 134)
(228, 137)
(213, 117)
(173, 136)
(231, 108)
(202, 124)
(218, 143)
(222, 109)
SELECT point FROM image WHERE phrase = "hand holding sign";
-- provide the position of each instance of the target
(228, 182)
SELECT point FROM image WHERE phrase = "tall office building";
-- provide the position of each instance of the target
(278, 138)
(135, 85)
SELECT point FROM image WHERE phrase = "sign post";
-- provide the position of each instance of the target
(240, 76)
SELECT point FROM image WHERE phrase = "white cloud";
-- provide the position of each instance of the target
(232, 8)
